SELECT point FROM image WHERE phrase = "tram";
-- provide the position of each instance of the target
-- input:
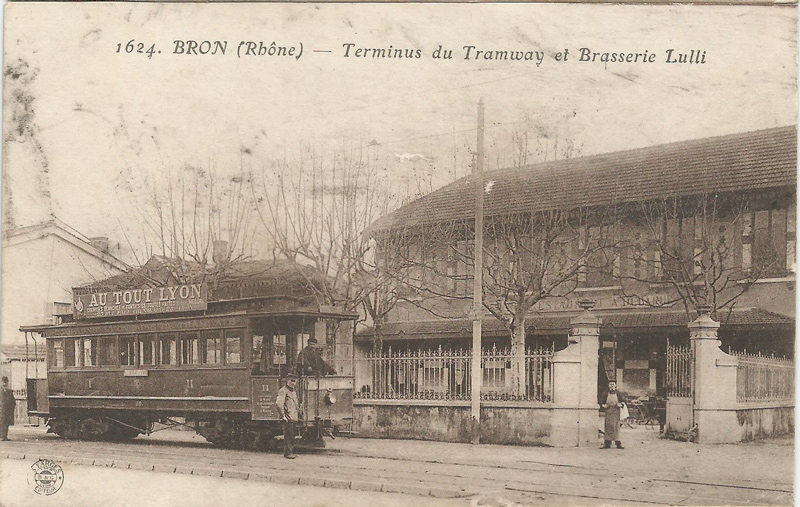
(137, 357)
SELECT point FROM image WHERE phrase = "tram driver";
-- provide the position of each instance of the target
(310, 361)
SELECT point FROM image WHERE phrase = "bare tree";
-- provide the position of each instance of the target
(315, 211)
(201, 224)
(530, 141)
(528, 257)
(703, 249)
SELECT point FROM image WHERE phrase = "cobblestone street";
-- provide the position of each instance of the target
(649, 470)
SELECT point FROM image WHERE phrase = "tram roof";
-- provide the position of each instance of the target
(322, 312)
(233, 280)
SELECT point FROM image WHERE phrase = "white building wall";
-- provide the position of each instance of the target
(39, 272)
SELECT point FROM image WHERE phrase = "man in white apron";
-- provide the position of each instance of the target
(612, 406)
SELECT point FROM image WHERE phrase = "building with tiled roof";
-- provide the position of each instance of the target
(756, 169)
(759, 160)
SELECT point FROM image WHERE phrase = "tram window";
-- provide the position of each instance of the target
(57, 354)
(233, 346)
(72, 352)
(147, 349)
(90, 351)
(190, 353)
(278, 349)
(107, 350)
(127, 350)
(169, 349)
(258, 353)
(301, 340)
(212, 343)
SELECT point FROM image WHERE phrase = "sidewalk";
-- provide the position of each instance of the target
(646, 453)
(648, 470)
(764, 462)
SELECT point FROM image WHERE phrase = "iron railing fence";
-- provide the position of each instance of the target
(763, 378)
(445, 374)
(680, 370)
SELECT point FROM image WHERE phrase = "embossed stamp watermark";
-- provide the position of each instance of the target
(48, 476)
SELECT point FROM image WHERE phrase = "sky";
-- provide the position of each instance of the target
(104, 130)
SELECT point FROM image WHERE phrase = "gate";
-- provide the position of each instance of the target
(680, 388)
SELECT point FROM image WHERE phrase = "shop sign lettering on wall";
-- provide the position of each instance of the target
(177, 298)
(607, 303)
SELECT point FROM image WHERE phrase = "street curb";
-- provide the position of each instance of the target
(278, 478)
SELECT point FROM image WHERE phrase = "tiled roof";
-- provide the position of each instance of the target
(747, 161)
(559, 323)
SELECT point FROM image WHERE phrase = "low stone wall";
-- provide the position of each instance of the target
(502, 422)
(743, 424)
(759, 423)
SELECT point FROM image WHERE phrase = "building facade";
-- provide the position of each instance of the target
(41, 265)
(648, 234)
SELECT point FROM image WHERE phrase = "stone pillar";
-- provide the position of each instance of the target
(714, 382)
(575, 408)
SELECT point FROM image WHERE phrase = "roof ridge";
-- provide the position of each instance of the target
(763, 158)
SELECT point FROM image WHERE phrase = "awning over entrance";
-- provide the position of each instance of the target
(549, 324)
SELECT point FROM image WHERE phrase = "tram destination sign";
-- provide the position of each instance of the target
(172, 299)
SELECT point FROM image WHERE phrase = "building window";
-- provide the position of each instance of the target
(168, 353)
(190, 350)
(494, 373)
(767, 238)
(602, 263)
(233, 346)
(107, 350)
(212, 347)
(460, 269)
(147, 349)
(127, 350)
(676, 249)
(57, 353)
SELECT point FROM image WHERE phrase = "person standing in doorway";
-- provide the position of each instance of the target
(7, 406)
(612, 407)
(289, 410)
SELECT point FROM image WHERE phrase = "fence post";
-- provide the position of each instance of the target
(714, 382)
(575, 408)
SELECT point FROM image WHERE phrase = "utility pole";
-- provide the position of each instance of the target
(477, 295)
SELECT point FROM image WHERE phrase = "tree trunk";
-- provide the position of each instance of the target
(377, 338)
(518, 383)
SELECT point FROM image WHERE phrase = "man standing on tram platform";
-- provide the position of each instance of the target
(289, 410)
(310, 361)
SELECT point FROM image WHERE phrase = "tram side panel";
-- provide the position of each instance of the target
(173, 391)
